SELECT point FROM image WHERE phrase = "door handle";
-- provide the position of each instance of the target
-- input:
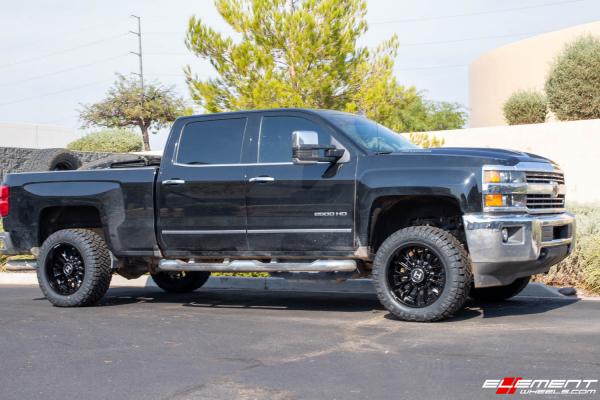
(262, 179)
(173, 182)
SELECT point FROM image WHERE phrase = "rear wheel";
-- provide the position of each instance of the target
(180, 281)
(499, 293)
(422, 273)
(74, 268)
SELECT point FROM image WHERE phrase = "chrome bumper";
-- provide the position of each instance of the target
(533, 244)
(6, 244)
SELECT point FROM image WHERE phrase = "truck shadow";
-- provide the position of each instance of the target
(311, 301)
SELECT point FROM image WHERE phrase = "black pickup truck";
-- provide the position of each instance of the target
(296, 190)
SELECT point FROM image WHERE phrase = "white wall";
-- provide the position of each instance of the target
(574, 145)
(35, 136)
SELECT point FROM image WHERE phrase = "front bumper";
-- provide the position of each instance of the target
(6, 244)
(533, 244)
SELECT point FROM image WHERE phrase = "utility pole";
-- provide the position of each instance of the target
(141, 75)
(139, 52)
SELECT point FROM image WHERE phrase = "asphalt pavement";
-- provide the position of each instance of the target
(141, 343)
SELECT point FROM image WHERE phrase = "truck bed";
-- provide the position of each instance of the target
(124, 198)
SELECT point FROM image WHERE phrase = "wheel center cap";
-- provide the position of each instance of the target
(417, 275)
(68, 269)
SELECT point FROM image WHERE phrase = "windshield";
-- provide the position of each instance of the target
(369, 134)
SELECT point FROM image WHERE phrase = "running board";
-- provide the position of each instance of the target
(258, 266)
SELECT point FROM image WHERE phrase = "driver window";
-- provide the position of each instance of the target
(275, 141)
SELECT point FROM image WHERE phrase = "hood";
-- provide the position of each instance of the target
(487, 155)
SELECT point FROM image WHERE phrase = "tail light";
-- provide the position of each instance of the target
(4, 191)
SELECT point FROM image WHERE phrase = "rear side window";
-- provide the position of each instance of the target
(212, 142)
(275, 143)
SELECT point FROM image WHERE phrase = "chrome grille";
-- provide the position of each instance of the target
(545, 177)
(542, 201)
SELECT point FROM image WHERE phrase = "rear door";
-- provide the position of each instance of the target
(201, 193)
(298, 208)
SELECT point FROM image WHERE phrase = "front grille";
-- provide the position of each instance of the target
(542, 201)
(545, 177)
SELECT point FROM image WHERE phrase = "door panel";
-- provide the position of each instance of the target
(201, 195)
(304, 208)
(298, 207)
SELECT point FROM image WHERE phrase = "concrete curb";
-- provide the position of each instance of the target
(533, 290)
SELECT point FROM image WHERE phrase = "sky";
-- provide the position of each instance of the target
(58, 54)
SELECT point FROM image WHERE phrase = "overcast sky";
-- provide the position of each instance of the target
(55, 55)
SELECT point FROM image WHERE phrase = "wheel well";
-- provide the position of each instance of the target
(389, 214)
(53, 219)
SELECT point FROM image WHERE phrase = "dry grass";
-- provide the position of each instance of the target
(582, 268)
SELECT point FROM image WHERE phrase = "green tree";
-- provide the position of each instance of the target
(573, 83)
(126, 107)
(525, 107)
(304, 53)
(110, 140)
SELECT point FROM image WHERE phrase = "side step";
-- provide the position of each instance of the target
(259, 266)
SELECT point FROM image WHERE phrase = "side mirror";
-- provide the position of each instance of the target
(307, 150)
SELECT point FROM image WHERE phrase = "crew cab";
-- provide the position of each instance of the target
(295, 190)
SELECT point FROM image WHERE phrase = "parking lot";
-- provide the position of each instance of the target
(142, 343)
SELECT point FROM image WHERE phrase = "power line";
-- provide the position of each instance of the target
(43, 56)
(432, 67)
(64, 70)
(71, 32)
(53, 93)
(471, 39)
(501, 10)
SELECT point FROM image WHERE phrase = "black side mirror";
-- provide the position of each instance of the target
(307, 150)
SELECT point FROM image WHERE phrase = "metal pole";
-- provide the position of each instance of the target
(141, 74)
(139, 53)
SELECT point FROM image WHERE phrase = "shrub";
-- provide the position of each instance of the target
(582, 268)
(573, 83)
(525, 107)
(424, 140)
(113, 141)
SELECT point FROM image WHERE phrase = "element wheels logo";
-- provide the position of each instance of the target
(510, 385)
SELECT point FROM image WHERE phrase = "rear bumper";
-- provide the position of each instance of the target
(533, 243)
(6, 245)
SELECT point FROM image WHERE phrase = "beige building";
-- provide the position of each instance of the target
(523, 65)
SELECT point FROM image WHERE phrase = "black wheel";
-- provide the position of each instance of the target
(180, 281)
(52, 160)
(74, 268)
(422, 273)
(499, 293)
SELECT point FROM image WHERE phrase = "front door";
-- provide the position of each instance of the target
(201, 193)
(298, 208)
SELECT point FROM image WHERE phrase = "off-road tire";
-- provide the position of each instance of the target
(454, 259)
(97, 263)
(52, 160)
(187, 281)
(499, 293)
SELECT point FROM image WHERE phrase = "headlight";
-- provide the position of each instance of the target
(504, 189)
(504, 177)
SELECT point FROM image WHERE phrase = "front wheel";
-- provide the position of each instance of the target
(422, 273)
(180, 281)
(499, 293)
